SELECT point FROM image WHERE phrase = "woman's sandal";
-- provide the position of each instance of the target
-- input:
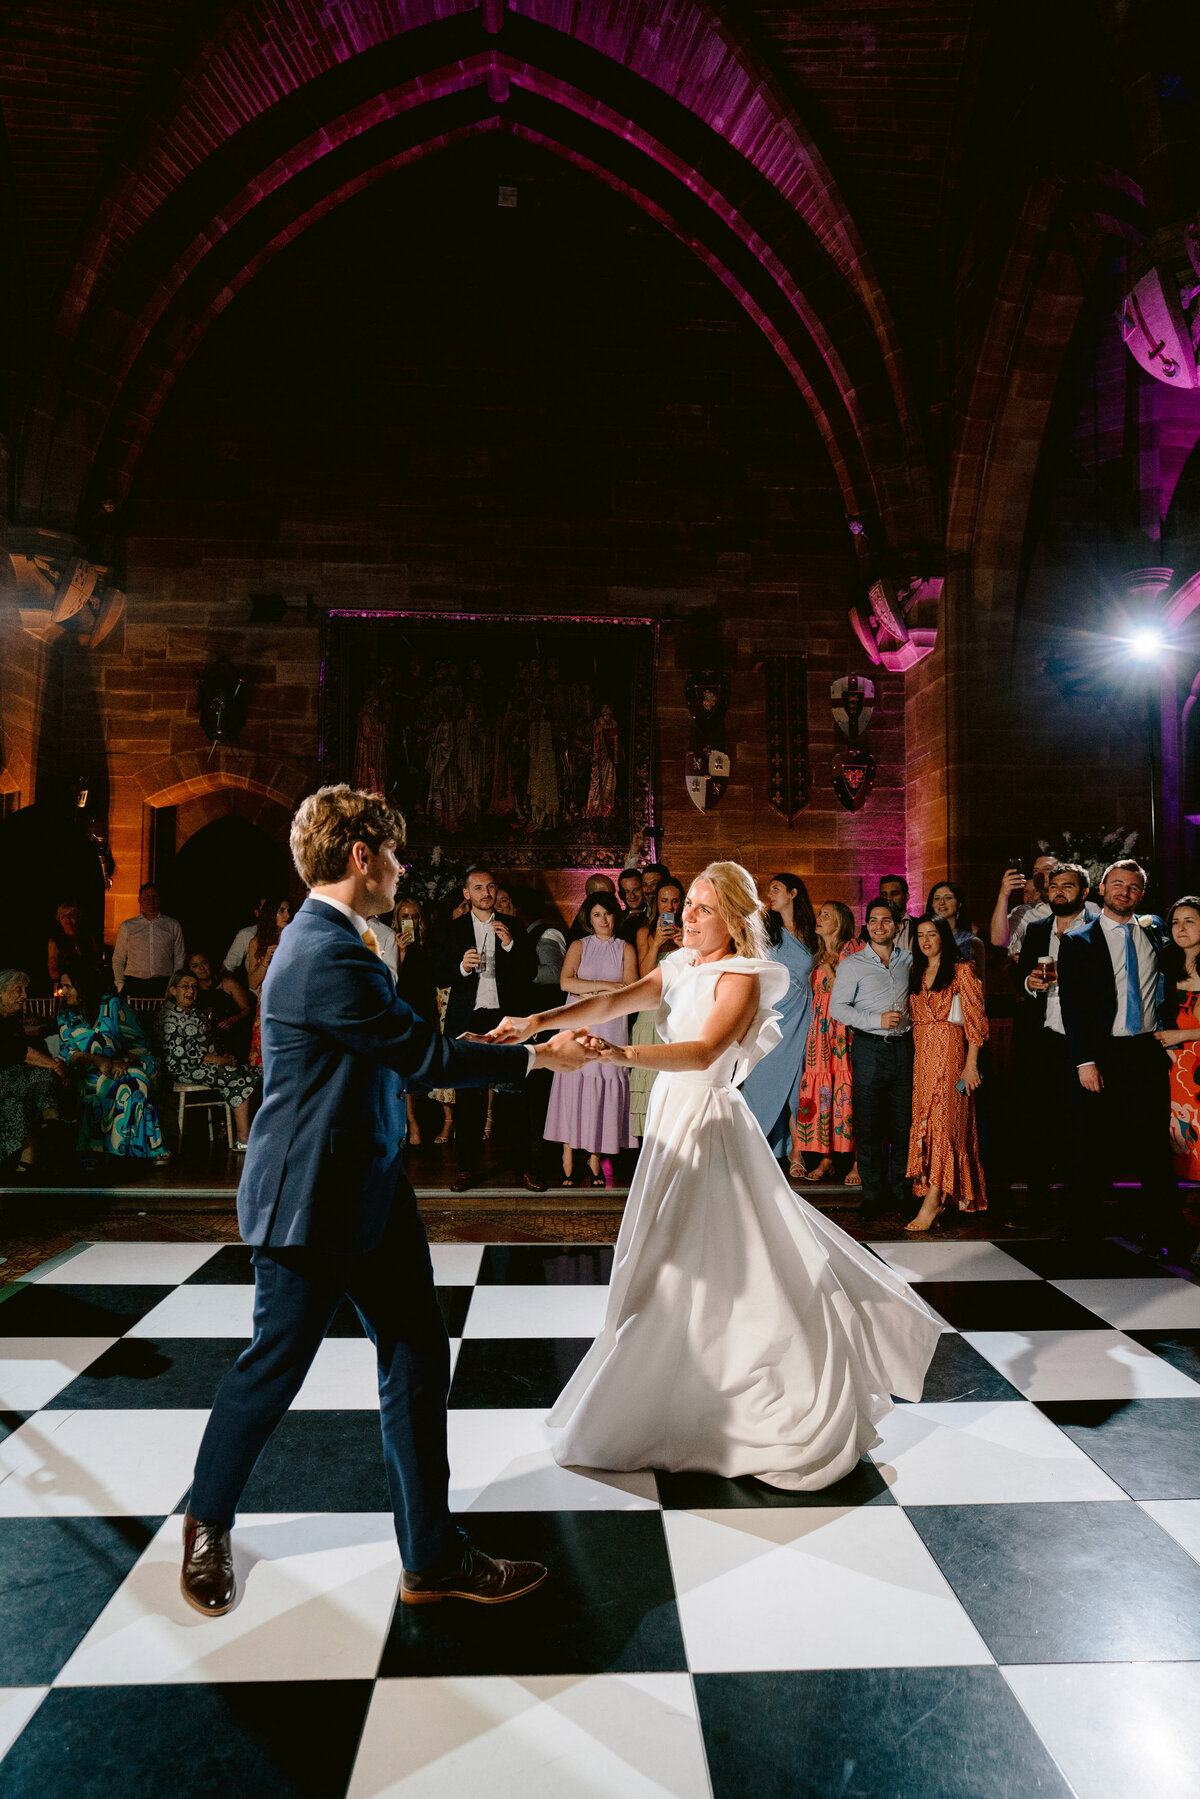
(571, 1180)
(854, 1178)
(596, 1180)
(822, 1171)
(444, 1138)
(922, 1230)
(796, 1170)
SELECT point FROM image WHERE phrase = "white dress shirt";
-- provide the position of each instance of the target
(239, 950)
(487, 994)
(1114, 936)
(147, 949)
(1053, 1020)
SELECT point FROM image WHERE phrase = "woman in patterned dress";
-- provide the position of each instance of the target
(191, 1053)
(652, 946)
(949, 1029)
(824, 1111)
(274, 915)
(1181, 1034)
(101, 1040)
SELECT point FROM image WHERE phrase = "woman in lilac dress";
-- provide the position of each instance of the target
(590, 1110)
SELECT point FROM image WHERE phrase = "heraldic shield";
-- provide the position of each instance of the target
(706, 773)
(853, 778)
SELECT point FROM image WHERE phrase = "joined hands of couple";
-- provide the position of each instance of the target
(564, 1053)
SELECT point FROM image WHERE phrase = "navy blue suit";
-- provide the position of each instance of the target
(1124, 1129)
(325, 1204)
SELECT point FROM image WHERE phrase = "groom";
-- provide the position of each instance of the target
(328, 1211)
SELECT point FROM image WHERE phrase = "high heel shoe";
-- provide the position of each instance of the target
(922, 1230)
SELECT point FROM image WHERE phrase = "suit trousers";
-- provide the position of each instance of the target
(1047, 1092)
(297, 1292)
(510, 1112)
(1124, 1131)
(881, 1070)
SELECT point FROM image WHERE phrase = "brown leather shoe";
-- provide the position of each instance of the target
(531, 1183)
(485, 1579)
(207, 1580)
(463, 1182)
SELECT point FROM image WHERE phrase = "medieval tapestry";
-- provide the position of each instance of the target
(522, 740)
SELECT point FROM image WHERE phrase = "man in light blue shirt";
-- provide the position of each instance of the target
(870, 995)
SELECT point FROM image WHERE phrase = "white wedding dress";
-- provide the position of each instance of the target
(745, 1333)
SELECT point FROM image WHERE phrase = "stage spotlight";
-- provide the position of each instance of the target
(1146, 643)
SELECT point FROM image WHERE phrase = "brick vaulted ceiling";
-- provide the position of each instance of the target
(157, 153)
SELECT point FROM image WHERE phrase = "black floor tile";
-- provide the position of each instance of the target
(1068, 1582)
(688, 1492)
(96, 1311)
(1151, 1447)
(514, 1371)
(1006, 1305)
(11, 1421)
(455, 1303)
(872, 1733)
(529, 1265)
(1179, 1347)
(56, 1577)
(1056, 1260)
(230, 1267)
(958, 1371)
(178, 1372)
(608, 1605)
(320, 1462)
(255, 1739)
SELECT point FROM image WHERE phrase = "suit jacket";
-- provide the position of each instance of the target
(515, 969)
(1088, 987)
(339, 1048)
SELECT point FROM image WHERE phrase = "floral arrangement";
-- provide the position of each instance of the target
(1093, 850)
(433, 879)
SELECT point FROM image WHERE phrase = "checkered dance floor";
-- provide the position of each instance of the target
(1003, 1601)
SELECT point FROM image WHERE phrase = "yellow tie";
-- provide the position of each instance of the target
(370, 939)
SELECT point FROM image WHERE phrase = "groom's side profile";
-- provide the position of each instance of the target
(328, 1211)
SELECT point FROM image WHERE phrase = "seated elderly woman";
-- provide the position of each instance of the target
(190, 1051)
(101, 1040)
(31, 1082)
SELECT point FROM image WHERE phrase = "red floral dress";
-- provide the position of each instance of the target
(943, 1150)
(824, 1121)
(1185, 1092)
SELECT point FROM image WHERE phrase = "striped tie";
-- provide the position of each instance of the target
(371, 940)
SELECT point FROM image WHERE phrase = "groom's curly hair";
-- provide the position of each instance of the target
(330, 822)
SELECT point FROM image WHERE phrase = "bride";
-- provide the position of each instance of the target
(745, 1333)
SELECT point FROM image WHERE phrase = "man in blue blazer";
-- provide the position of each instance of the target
(328, 1211)
(1120, 1110)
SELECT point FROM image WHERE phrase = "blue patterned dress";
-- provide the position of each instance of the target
(117, 1115)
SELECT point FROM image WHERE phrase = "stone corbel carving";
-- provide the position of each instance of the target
(887, 625)
(60, 593)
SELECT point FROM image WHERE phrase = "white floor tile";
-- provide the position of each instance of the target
(1000, 1453)
(602, 1736)
(17, 1706)
(822, 1588)
(130, 1265)
(952, 1262)
(221, 1311)
(536, 1311)
(1180, 1518)
(344, 1377)
(1117, 1730)
(1152, 1303)
(91, 1464)
(456, 1264)
(316, 1597)
(1064, 1364)
(455, 1346)
(34, 1369)
(501, 1461)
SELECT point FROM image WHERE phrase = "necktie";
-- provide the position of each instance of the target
(1133, 986)
(370, 939)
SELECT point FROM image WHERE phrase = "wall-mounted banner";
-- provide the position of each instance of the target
(853, 777)
(852, 698)
(787, 733)
(707, 765)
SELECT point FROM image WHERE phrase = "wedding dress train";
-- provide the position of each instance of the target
(745, 1333)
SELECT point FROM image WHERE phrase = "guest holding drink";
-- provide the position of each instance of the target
(824, 1124)
(949, 1029)
(1180, 1037)
(870, 995)
(1045, 1069)
(653, 946)
(589, 1109)
(946, 901)
(771, 1088)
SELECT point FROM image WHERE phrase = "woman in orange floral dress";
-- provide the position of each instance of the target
(824, 1115)
(949, 1029)
(1181, 1010)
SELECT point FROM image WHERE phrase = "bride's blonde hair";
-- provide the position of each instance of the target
(737, 906)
